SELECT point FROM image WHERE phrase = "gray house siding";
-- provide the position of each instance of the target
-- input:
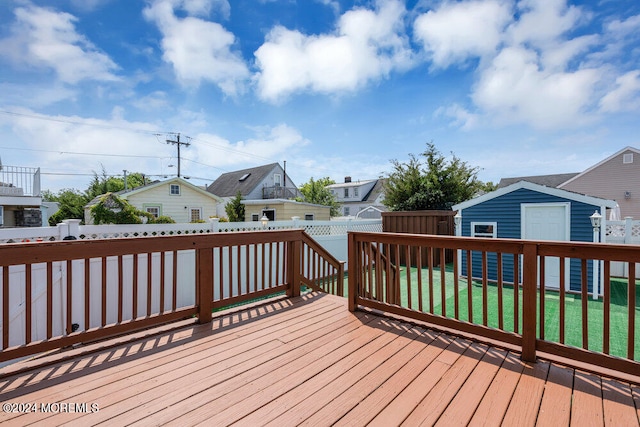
(506, 212)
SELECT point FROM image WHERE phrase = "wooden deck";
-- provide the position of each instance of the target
(308, 360)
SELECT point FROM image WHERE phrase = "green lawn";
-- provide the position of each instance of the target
(573, 309)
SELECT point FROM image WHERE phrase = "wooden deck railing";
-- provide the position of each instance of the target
(506, 298)
(56, 294)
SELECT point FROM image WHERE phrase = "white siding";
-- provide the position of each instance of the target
(177, 207)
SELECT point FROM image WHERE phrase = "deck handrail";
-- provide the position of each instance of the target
(95, 289)
(489, 268)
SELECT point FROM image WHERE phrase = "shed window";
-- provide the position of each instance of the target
(308, 217)
(484, 229)
(255, 217)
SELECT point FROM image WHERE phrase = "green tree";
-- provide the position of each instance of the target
(235, 209)
(103, 184)
(433, 183)
(71, 204)
(317, 192)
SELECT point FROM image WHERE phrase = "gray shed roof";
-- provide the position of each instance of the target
(228, 184)
(547, 180)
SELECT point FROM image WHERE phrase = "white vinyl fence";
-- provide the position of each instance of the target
(625, 232)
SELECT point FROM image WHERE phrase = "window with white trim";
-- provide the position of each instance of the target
(346, 210)
(484, 229)
(195, 214)
(174, 189)
(346, 193)
(355, 192)
(277, 179)
(153, 210)
(627, 158)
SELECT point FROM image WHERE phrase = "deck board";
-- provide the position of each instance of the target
(309, 361)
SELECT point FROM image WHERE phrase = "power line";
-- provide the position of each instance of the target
(79, 123)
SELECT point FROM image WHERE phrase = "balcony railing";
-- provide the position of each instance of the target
(495, 288)
(279, 192)
(19, 181)
(56, 294)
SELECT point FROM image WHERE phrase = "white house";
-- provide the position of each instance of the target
(360, 198)
(260, 183)
(176, 198)
(20, 197)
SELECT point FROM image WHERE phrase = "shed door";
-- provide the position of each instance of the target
(548, 222)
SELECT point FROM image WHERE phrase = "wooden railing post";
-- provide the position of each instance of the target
(294, 266)
(204, 283)
(352, 256)
(529, 310)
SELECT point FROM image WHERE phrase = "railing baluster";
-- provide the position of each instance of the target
(562, 300)
(49, 300)
(631, 298)
(69, 318)
(174, 289)
(407, 260)
(149, 283)
(585, 300)
(28, 304)
(120, 289)
(104, 290)
(87, 293)
(5, 306)
(239, 268)
(419, 273)
(456, 284)
(134, 290)
(485, 290)
(430, 264)
(443, 289)
(500, 290)
(543, 285)
(470, 285)
(606, 333)
(516, 297)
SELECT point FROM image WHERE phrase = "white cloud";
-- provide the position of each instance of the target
(367, 45)
(514, 88)
(198, 49)
(268, 143)
(454, 32)
(543, 21)
(626, 95)
(461, 117)
(41, 37)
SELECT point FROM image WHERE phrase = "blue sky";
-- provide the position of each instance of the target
(334, 88)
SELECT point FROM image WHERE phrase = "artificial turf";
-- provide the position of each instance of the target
(572, 303)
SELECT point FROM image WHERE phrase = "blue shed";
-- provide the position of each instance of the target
(525, 210)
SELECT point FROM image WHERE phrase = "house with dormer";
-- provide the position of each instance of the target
(361, 199)
(267, 182)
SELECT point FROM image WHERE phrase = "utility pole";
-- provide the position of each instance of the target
(178, 144)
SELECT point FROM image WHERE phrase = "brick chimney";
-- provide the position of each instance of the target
(347, 179)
